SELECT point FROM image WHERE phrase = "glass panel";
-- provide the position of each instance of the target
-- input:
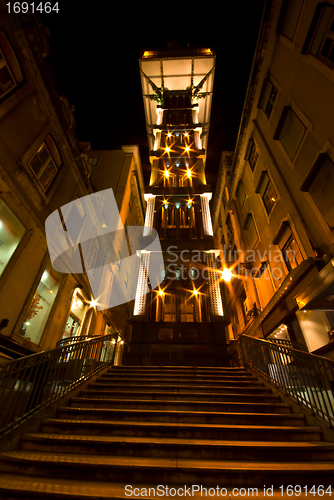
(48, 174)
(321, 191)
(11, 233)
(6, 81)
(291, 17)
(41, 304)
(292, 133)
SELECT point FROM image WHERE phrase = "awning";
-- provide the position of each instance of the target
(318, 295)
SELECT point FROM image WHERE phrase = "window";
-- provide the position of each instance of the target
(320, 39)
(45, 163)
(252, 234)
(11, 75)
(291, 253)
(290, 131)
(320, 184)
(267, 191)
(289, 17)
(241, 193)
(288, 245)
(94, 161)
(11, 233)
(252, 154)
(268, 97)
(41, 304)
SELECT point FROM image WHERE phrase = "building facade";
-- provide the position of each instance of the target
(273, 206)
(182, 320)
(42, 168)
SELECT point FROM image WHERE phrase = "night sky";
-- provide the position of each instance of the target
(95, 57)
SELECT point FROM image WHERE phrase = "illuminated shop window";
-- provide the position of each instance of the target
(41, 304)
(45, 163)
(11, 233)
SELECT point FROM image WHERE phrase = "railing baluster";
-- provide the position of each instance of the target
(29, 384)
(306, 377)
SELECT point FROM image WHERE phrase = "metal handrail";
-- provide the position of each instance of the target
(30, 384)
(306, 377)
(72, 340)
(289, 343)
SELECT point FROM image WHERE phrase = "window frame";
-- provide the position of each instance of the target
(50, 159)
(306, 186)
(13, 65)
(252, 151)
(242, 201)
(262, 188)
(283, 16)
(265, 100)
(248, 219)
(319, 28)
(280, 127)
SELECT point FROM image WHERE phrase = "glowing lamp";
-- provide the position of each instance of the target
(166, 174)
(188, 173)
(227, 275)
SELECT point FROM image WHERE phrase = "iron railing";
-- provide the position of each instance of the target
(304, 376)
(73, 340)
(289, 343)
(32, 383)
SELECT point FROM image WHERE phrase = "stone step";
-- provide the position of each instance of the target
(185, 388)
(167, 471)
(43, 487)
(178, 369)
(173, 376)
(178, 416)
(210, 383)
(182, 430)
(181, 448)
(202, 406)
(184, 396)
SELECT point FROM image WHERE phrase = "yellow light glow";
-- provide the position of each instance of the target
(93, 303)
(169, 134)
(186, 134)
(166, 174)
(227, 275)
(167, 149)
(188, 173)
(187, 149)
(190, 201)
(195, 292)
(161, 293)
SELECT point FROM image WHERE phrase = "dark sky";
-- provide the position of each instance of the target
(95, 56)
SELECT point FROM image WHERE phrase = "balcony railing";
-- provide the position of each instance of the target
(32, 383)
(304, 376)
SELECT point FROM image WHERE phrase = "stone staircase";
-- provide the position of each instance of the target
(168, 426)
